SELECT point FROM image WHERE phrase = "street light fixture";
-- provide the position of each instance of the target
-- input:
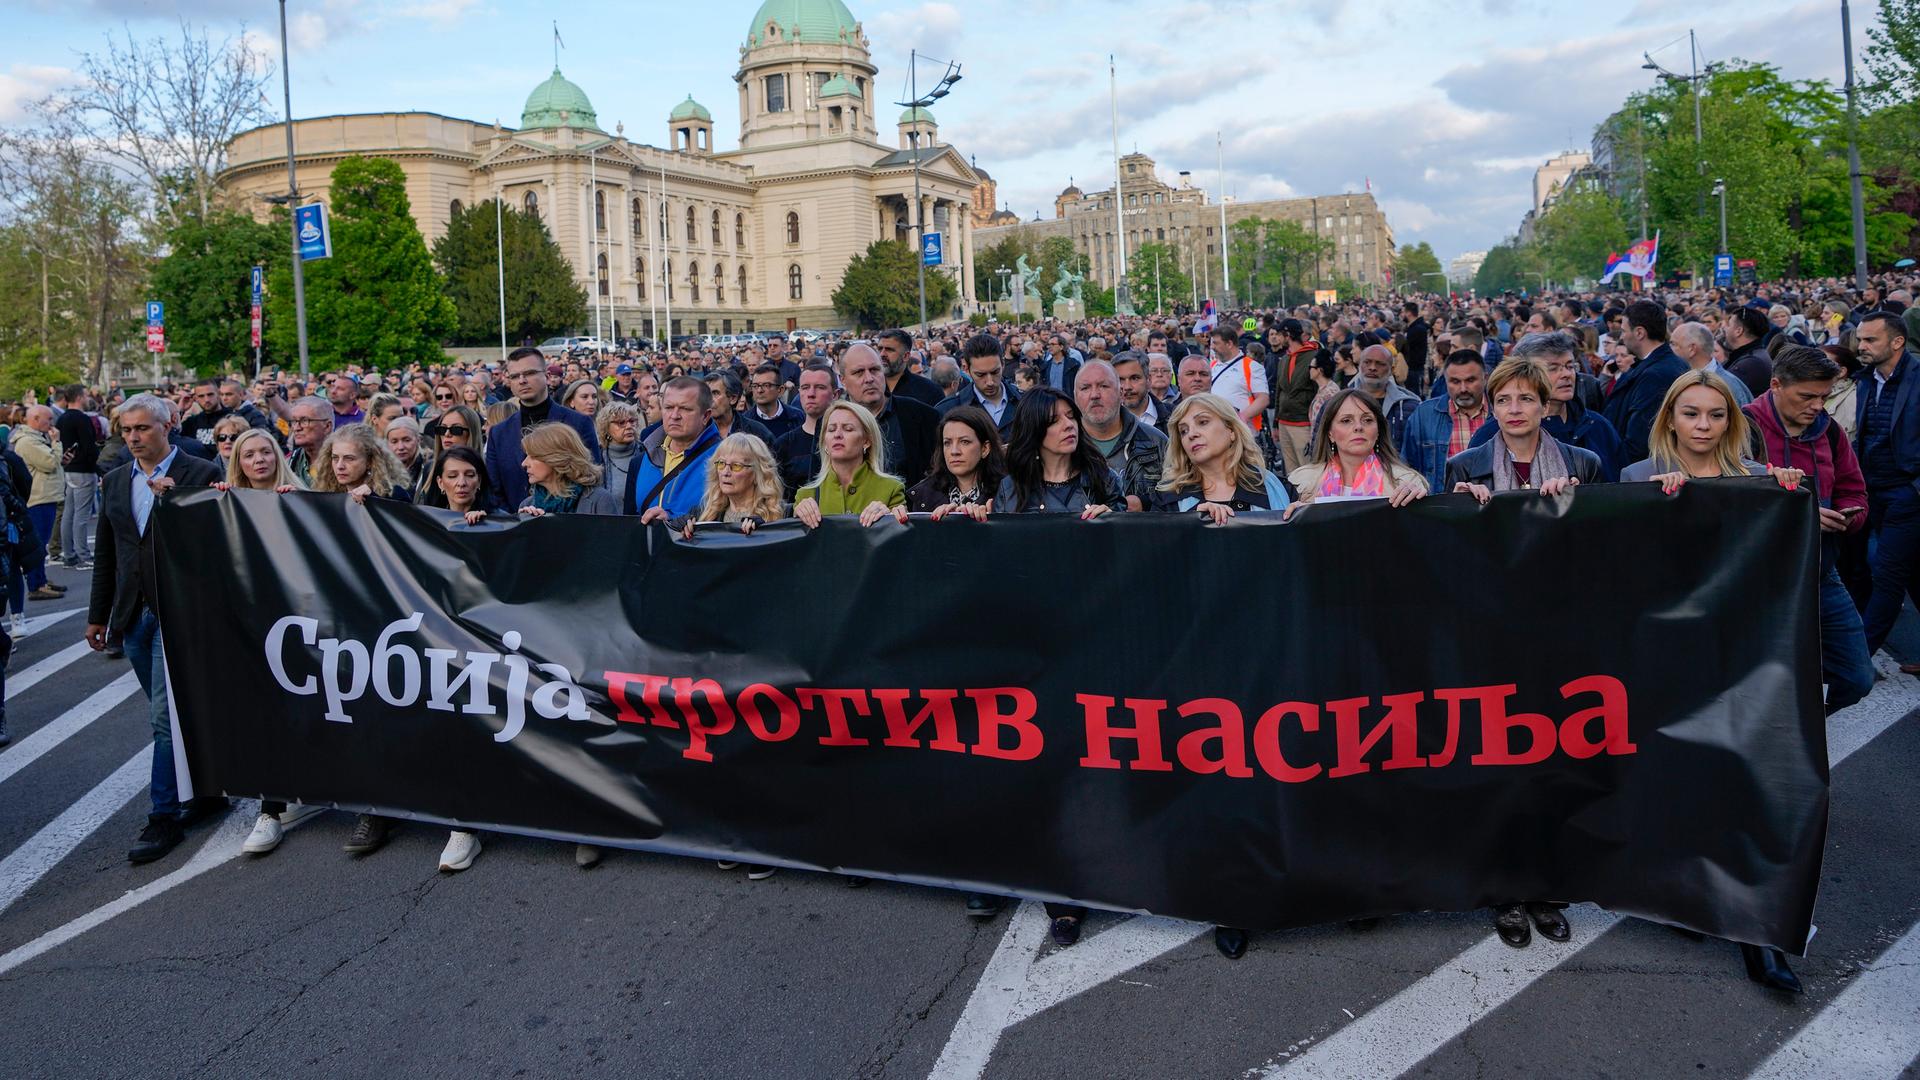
(1720, 190)
(918, 102)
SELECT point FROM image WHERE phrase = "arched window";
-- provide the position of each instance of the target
(693, 281)
(602, 261)
(639, 219)
(664, 234)
(454, 208)
(716, 228)
(532, 203)
(719, 284)
(793, 282)
(793, 226)
(740, 232)
(690, 232)
(743, 284)
(599, 211)
(640, 279)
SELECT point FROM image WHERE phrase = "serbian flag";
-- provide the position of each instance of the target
(1207, 319)
(1639, 261)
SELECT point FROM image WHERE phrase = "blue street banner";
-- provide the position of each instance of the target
(156, 313)
(1723, 269)
(316, 239)
(930, 251)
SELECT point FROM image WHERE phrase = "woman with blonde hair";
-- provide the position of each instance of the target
(498, 412)
(1700, 433)
(1352, 456)
(255, 463)
(561, 475)
(743, 485)
(851, 480)
(356, 461)
(1213, 466)
(458, 426)
(582, 396)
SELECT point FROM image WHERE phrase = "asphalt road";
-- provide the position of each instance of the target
(309, 962)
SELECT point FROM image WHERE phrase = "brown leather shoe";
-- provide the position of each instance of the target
(1912, 668)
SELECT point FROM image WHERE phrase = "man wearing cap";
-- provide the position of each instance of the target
(625, 387)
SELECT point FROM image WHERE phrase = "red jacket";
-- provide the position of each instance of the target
(1822, 452)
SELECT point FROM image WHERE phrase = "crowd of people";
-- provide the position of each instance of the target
(1810, 383)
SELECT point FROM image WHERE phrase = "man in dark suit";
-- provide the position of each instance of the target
(527, 375)
(120, 607)
(910, 430)
(1636, 395)
(990, 389)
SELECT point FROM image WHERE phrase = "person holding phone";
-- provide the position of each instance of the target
(1799, 433)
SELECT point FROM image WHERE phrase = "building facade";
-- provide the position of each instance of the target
(757, 237)
(1182, 216)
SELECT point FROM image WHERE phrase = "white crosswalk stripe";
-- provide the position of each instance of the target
(29, 749)
(44, 850)
(38, 673)
(1871, 1029)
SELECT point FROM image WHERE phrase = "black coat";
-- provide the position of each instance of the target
(912, 434)
(122, 555)
(919, 388)
(1475, 465)
(970, 395)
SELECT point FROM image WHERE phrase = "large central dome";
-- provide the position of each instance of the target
(819, 22)
(557, 98)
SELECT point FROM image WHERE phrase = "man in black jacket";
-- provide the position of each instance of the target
(120, 606)
(896, 351)
(81, 442)
(910, 430)
(990, 389)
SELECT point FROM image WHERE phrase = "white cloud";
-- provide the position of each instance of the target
(23, 84)
(1408, 215)
(444, 12)
(933, 27)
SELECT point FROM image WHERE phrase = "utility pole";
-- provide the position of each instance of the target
(293, 202)
(1853, 158)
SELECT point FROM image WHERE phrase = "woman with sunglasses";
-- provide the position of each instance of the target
(458, 426)
(226, 431)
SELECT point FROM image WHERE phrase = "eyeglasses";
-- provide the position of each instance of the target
(226, 438)
(443, 397)
(454, 429)
(731, 467)
(298, 420)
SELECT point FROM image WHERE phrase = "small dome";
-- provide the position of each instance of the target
(1070, 192)
(690, 110)
(918, 115)
(553, 97)
(817, 22)
(838, 86)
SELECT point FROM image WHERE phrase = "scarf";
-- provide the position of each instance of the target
(547, 502)
(1548, 464)
(1371, 479)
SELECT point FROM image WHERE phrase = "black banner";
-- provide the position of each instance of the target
(1612, 697)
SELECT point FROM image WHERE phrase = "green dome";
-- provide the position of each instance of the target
(553, 97)
(917, 115)
(690, 110)
(838, 86)
(817, 22)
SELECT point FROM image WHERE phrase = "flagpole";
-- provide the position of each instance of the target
(653, 312)
(1119, 222)
(665, 270)
(593, 234)
(1226, 277)
(500, 265)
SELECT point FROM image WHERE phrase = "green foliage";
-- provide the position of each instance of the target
(1099, 302)
(1505, 269)
(1173, 285)
(1005, 252)
(1411, 262)
(28, 370)
(1577, 233)
(376, 301)
(1893, 59)
(542, 297)
(880, 288)
(1273, 262)
(205, 281)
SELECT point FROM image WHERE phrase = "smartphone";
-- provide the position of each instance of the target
(1849, 511)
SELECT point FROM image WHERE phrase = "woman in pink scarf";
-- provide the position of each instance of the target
(1353, 457)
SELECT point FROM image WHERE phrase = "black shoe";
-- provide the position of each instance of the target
(1231, 941)
(1361, 926)
(4, 737)
(369, 834)
(115, 652)
(1768, 967)
(161, 835)
(202, 808)
(1066, 930)
(1511, 923)
(1549, 921)
(982, 906)
(853, 881)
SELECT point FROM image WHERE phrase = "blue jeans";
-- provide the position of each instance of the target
(142, 642)
(1893, 522)
(42, 517)
(1843, 645)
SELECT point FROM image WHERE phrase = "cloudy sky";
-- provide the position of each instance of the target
(1446, 107)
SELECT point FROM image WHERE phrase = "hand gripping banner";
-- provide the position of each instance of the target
(1611, 697)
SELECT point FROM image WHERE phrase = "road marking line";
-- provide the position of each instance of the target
(222, 847)
(1871, 1029)
(1110, 954)
(26, 751)
(44, 850)
(994, 997)
(37, 623)
(1403, 1030)
(26, 680)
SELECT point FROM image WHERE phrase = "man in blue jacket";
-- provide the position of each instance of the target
(527, 376)
(1887, 435)
(669, 473)
(1636, 395)
(1443, 426)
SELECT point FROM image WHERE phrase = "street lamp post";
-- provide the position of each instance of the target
(1002, 275)
(913, 139)
(1693, 82)
(1853, 159)
(1720, 190)
(293, 201)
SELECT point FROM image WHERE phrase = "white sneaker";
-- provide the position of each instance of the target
(586, 856)
(462, 848)
(16, 625)
(265, 835)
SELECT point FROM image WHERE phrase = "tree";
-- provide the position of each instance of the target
(1055, 252)
(168, 110)
(1577, 233)
(205, 281)
(1003, 252)
(1413, 263)
(881, 288)
(29, 371)
(1504, 270)
(377, 300)
(542, 296)
(1154, 277)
